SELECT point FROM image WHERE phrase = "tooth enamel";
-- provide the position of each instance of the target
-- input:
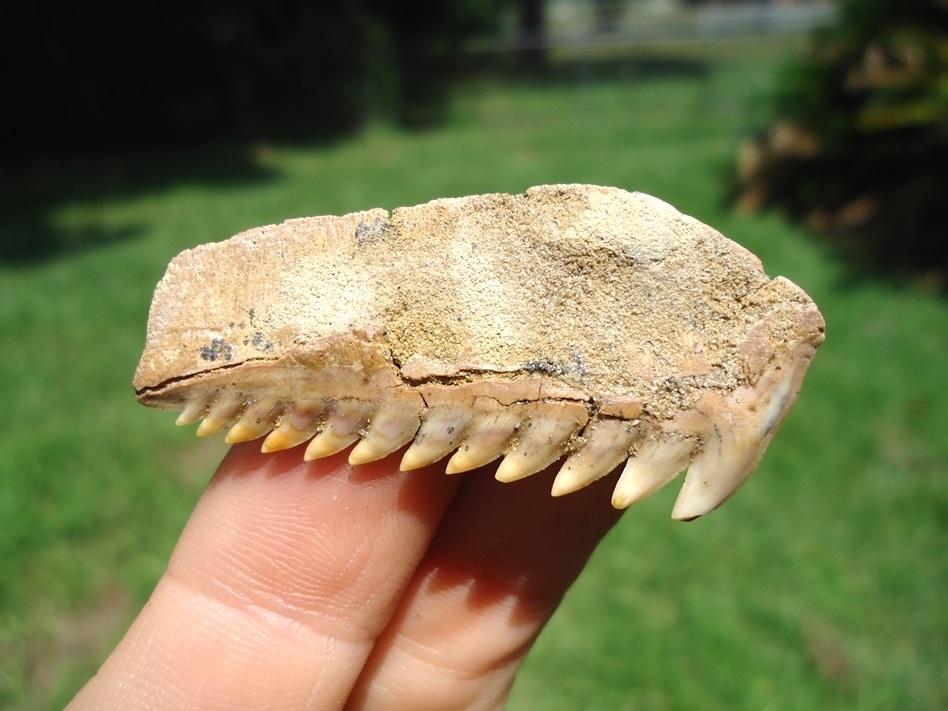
(440, 434)
(341, 428)
(282, 438)
(327, 443)
(723, 464)
(487, 439)
(193, 411)
(742, 429)
(390, 429)
(297, 426)
(656, 463)
(221, 415)
(606, 447)
(257, 420)
(541, 440)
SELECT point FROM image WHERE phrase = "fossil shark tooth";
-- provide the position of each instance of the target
(607, 444)
(295, 427)
(394, 425)
(342, 427)
(487, 439)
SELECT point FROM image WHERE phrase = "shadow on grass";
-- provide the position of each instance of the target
(31, 194)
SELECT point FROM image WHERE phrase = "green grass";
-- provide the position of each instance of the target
(820, 586)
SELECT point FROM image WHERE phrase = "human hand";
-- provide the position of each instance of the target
(323, 586)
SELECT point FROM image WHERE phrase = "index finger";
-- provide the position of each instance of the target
(283, 578)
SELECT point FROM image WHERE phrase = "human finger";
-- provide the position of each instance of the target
(283, 578)
(494, 574)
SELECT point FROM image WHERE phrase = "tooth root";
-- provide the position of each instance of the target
(389, 430)
(656, 463)
(341, 429)
(607, 445)
(486, 440)
(440, 433)
(724, 463)
(257, 420)
(297, 426)
(193, 411)
(221, 415)
(543, 440)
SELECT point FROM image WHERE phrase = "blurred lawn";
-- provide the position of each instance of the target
(822, 585)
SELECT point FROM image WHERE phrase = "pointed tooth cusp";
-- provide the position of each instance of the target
(440, 433)
(193, 411)
(487, 438)
(221, 415)
(724, 463)
(391, 428)
(745, 422)
(607, 445)
(342, 428)
(543, 439)
(296, 426)
(730, 451)
(257, 420)
(327, 443)
(656, 463)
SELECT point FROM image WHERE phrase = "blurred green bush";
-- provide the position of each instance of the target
(860, 145)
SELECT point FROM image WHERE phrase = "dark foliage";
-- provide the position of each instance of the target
(98, 76)
(861, 146)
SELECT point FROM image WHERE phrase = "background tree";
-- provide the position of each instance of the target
(531, 22)
(860, 148)
(97, 75)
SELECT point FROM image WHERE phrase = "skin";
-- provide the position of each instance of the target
(321, 586)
